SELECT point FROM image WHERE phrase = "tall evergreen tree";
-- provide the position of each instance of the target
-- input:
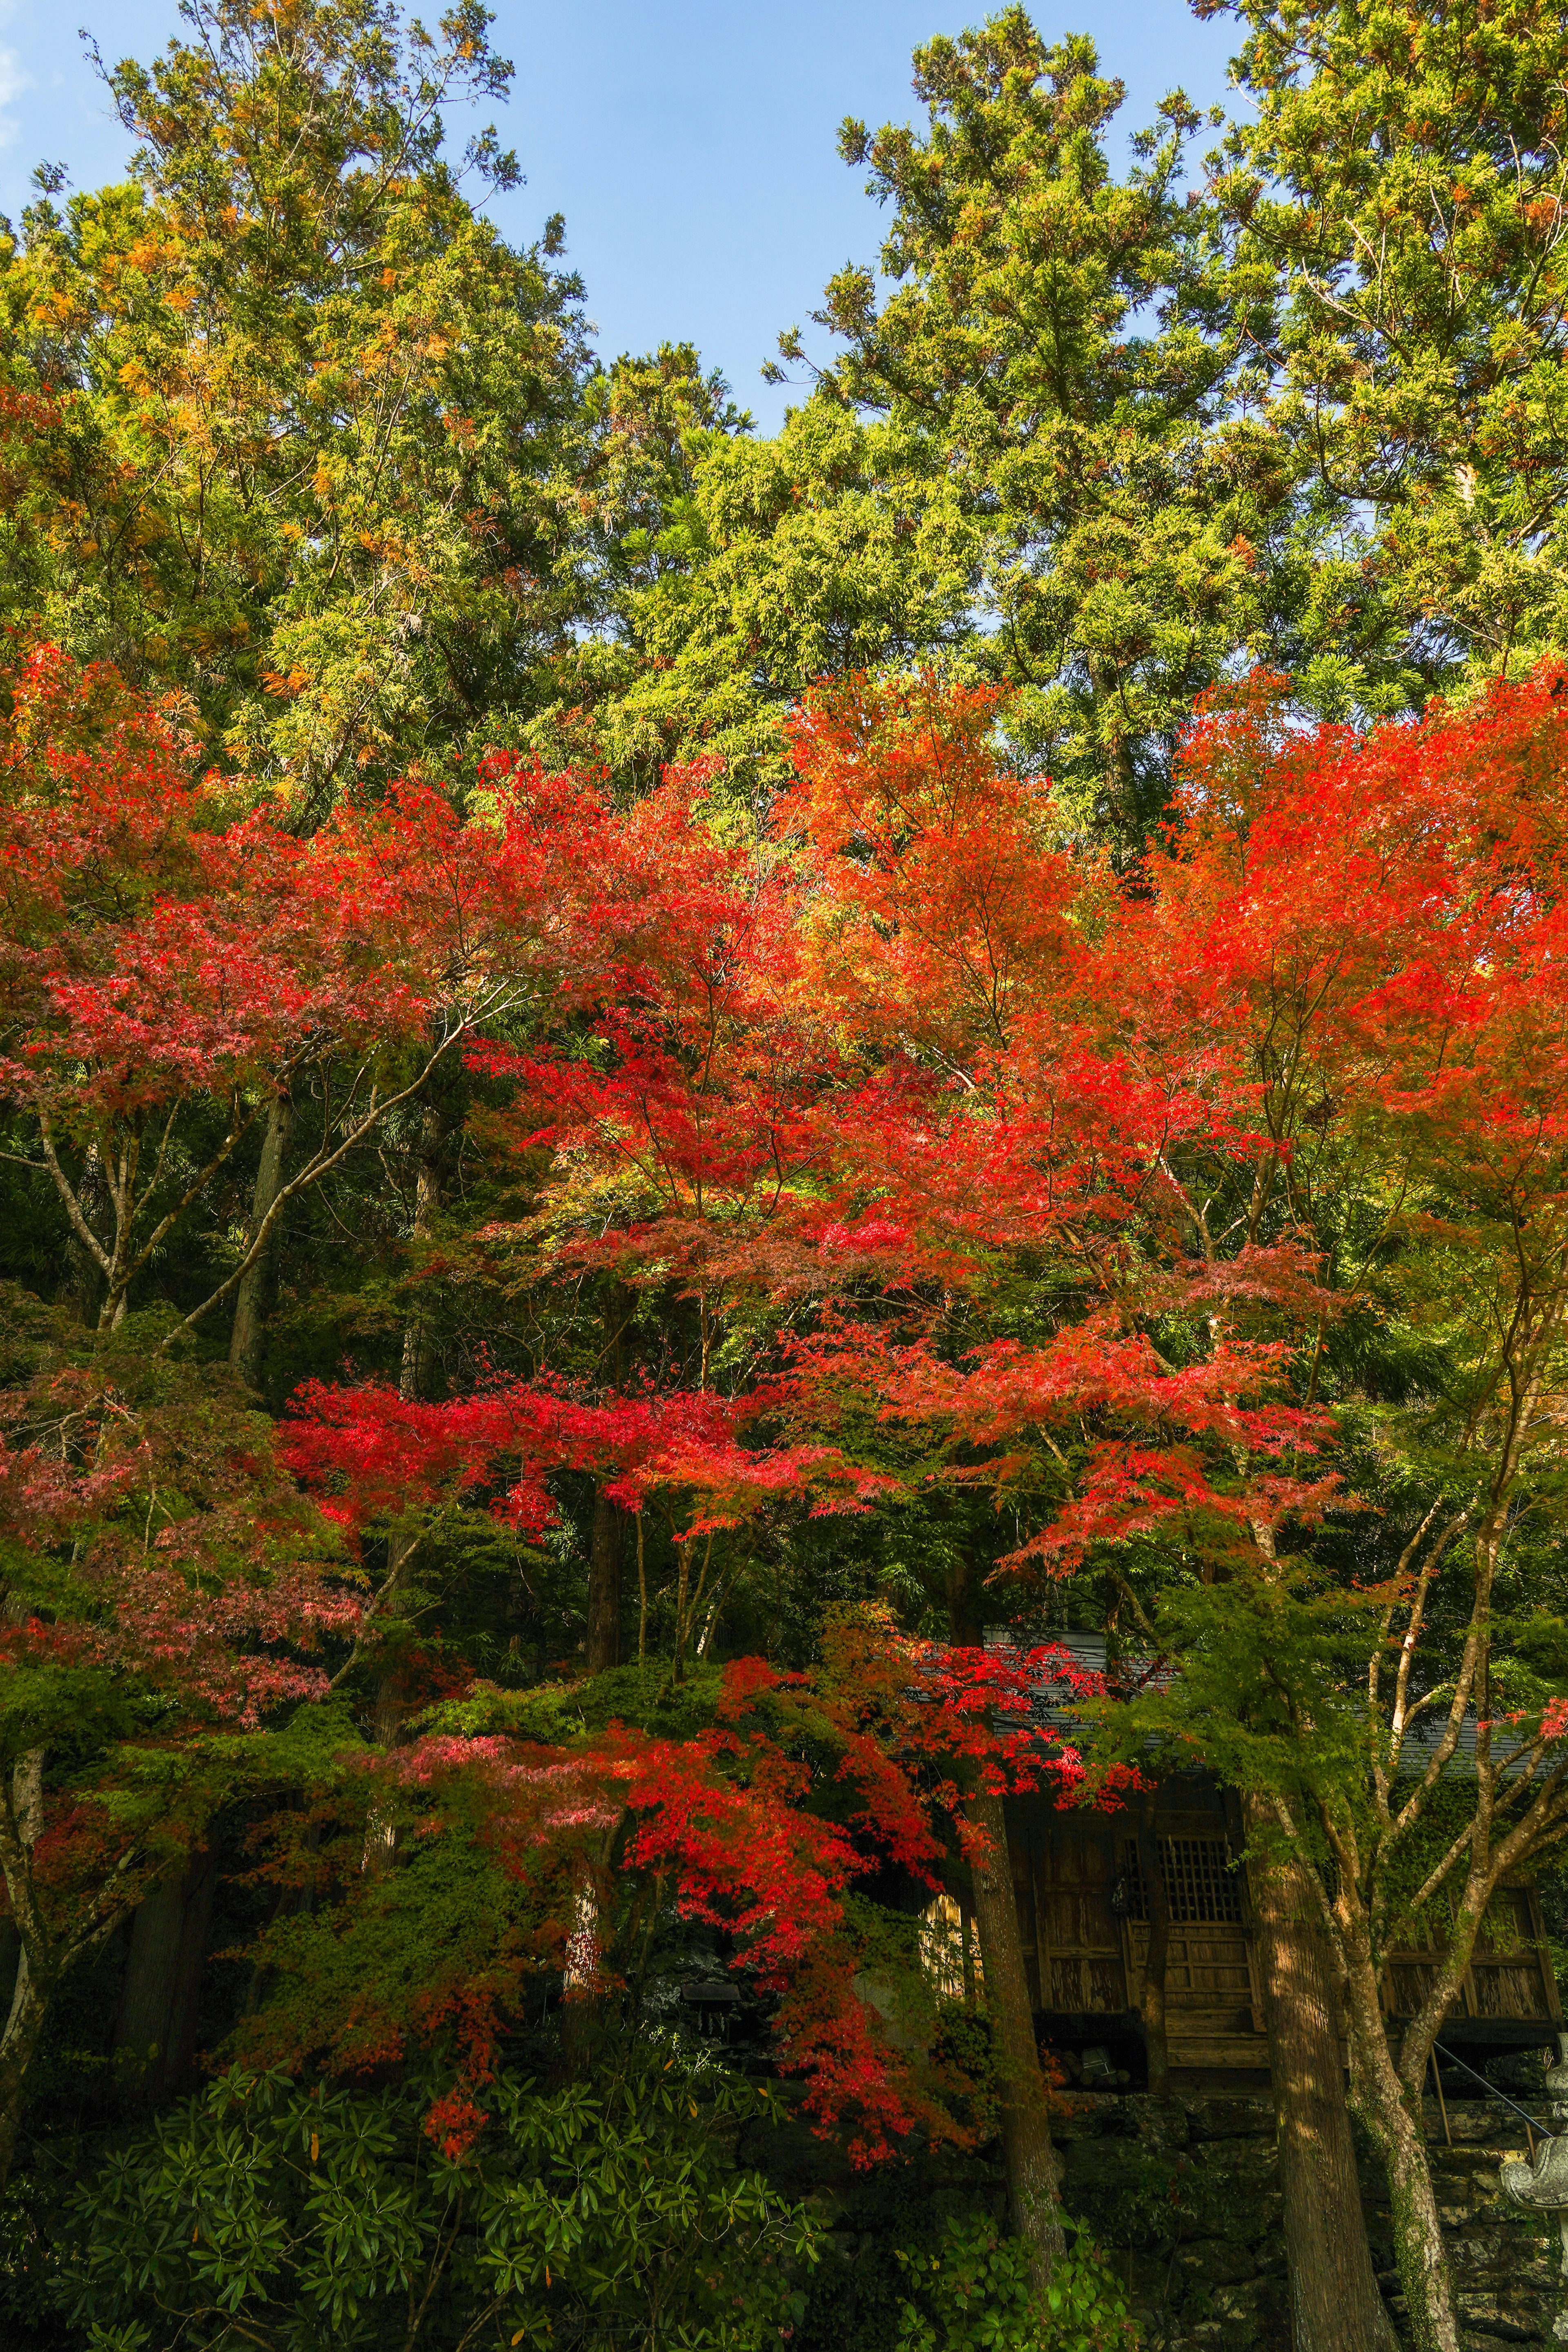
(287, 415)
(1400, 185)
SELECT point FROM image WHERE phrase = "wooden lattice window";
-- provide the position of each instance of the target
(947, 1950)
(1202, 1885)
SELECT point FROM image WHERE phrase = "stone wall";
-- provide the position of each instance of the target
(1507, 2261)
(1183, 2199)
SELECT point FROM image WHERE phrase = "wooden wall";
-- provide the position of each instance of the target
(1085, 1959)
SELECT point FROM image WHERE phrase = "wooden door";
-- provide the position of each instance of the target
(1062, 1872)
(1213, 2006)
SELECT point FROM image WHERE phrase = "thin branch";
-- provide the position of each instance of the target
(326, 1160)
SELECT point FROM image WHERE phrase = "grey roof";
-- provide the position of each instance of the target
(1053, 1711)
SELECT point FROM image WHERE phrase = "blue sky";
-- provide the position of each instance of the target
(689, 143)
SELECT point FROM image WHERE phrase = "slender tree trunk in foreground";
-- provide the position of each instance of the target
(1392, 2114)
(1033, 2169)
(392, 1710)
(1335, 2306)
(248, 1338)
(642, 1595)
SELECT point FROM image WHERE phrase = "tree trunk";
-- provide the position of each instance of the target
(604, 1585)
(147, 1997)
(605, 1543)
(1032, 2165)
(34, 1980)
(18, 2046)
(1397, 2126)
(1031, 2160)
(382, 1836)
(1116, 745)
(392, 1703)
(583, 1990)
(1335, 2306)
(248, 1339)
(415, 1377)
(201, 1885)
(157, 2023)
(81, 1280)
(1152, 1992)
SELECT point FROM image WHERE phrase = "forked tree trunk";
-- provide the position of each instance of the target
(82, 1276)
(33, 1981)
(603, 1585)
(18, 2047)
(45, 1960)
(1031, 2160)
(1335, 2306)
(1392, 2116)
(248, 1338)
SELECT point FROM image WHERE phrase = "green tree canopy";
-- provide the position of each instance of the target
(1402, 190)
(297, 410)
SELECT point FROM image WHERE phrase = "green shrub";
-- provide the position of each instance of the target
(974, 2294)
(266, 2216)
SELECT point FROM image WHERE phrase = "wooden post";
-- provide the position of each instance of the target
(1442, 2103)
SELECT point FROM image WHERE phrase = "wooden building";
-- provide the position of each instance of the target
(1083, 1917)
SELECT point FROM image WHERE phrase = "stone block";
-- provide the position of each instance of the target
(1247, 2116)
(1486, 2321)
(1209, 2262)
(1100, 2164)
(1158, 2123)
(1250, 2318)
